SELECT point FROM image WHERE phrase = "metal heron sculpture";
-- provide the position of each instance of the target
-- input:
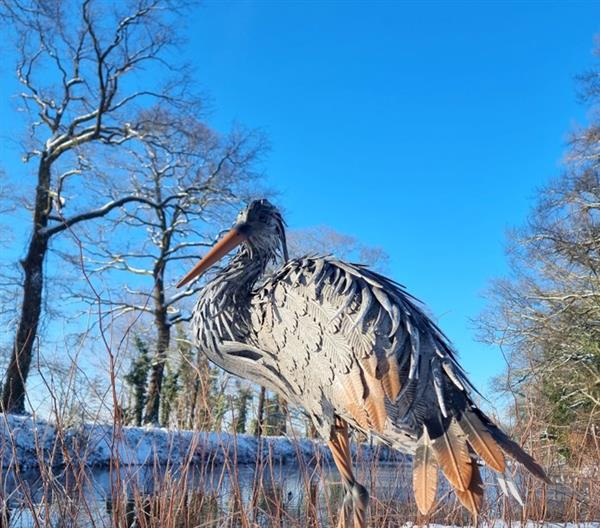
(351, 347)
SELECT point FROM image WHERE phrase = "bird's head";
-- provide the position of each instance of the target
(259, 227)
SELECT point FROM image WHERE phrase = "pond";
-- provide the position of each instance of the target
(214, 495)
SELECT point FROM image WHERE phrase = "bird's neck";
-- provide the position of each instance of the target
(224, 305)
(237, 280)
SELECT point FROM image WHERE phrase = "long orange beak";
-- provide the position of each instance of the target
(231, 240)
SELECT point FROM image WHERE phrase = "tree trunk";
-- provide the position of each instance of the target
(162, 346)
(157, 375)
(13, 393)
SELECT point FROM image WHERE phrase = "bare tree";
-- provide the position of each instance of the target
(186, 179)
(8, 284)
(546, 315)
(87, 70)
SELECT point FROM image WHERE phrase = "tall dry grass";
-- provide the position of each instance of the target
(185, 493)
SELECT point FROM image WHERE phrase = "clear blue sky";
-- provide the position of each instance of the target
(423, 128)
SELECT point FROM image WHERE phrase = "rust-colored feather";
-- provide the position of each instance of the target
(374, 401)
(425, 474)
(482, 441)
(512, 449)
(353, 397)
(367, 362)
(356, 409)
(452, 455)
(472, 497)
(359, 415)
(391, 379)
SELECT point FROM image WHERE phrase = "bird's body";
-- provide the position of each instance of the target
(349, 346)
(333, 337)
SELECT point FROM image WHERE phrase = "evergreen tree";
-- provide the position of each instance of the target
(171, 389)
(242, 401)
(136, 379)
(276, 416)
(199, 400)
(188, 382)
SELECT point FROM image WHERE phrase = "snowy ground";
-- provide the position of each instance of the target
(502, 524)
(27, 441)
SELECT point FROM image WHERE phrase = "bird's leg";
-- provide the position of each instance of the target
(356, 500)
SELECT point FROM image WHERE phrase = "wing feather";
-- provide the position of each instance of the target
(391, 379)
(374, 400)
(353, 389)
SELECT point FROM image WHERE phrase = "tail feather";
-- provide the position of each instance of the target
(454, 444)
(425, 474)
(456, 440)
(472, 497)
(481, 440)
(512, 449)
(452, 454)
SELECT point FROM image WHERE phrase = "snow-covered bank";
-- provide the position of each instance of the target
(27, 440)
